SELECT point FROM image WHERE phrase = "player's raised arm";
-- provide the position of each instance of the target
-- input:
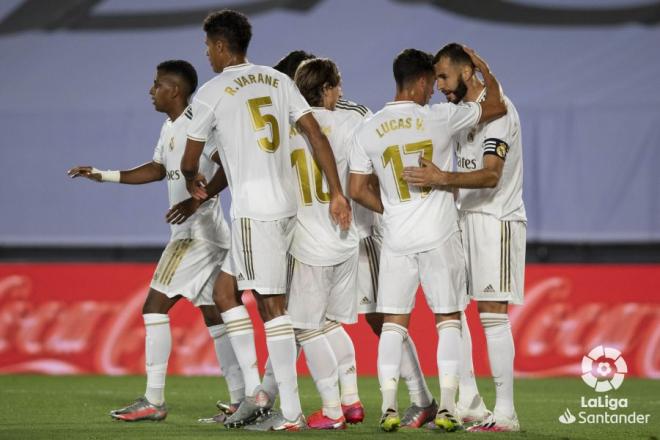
(145, 173)
(340, 209)
(493, 106)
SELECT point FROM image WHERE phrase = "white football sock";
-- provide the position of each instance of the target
(268, 383)
(322, 366)
(158, 344)
(282, 351)
(228, 363)
(241, 335)
(390, 347)
(342, 347)
(411, 372)
(467, 388)
(501, 352)
(449, 352)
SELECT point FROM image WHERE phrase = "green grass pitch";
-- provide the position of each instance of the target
(47, 407)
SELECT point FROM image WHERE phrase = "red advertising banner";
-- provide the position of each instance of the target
(86, 319)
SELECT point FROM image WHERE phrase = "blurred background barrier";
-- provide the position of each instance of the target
(76, 75)
(86, 319)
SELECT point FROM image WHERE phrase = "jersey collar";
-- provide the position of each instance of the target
(392, 103)
(237, 67)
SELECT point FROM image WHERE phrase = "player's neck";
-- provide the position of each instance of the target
(474, 89)
(406, 95)
(176, 111)
(236, 60)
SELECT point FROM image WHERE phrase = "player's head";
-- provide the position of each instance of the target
(319, 82)
(291, 61)
(414, 75)
(175, 82)
(453, 67)
(228, 35)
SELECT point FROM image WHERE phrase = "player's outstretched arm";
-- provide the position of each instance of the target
(195, 182)
(145, 173)
(340, 209)
(428, 174)
(493, 106)
(362, 190)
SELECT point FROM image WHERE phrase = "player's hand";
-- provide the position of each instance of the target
(180, 212)
(84, 171)
(426, 174)
(340, 211)
(478, 62)
(197, 187)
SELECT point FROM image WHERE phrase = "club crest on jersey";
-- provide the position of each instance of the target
(470, 136)
(502, 149)
(171, 144)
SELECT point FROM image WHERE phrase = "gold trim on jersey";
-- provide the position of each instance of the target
(246, 237)
(168, 265)
(505, 256)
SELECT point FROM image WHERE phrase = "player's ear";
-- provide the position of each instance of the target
(466, 72)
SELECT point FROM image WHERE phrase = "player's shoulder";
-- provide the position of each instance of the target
(345, 105)
(209, 90)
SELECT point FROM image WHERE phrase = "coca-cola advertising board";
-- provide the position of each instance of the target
(86, 319)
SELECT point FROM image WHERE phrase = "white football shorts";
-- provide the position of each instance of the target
(318, 293)
(441, 272)
(189, 267)
(495, 254)
(258, 254)
(367, 276)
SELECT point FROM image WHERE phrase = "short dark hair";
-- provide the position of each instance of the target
(291, 61)
(315, 74)
(182, 69)
(231, 26)
(455, 53)
(411, 64)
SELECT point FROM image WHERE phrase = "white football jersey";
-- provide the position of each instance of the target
(317, 240)
(501, 137)
(365, 219)
(208, 222)
(414, 219)
(248, 111)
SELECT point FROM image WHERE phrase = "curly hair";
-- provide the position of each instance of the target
(230, 26)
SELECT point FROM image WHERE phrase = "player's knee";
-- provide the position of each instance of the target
(157, 302)
(211, 315)
(441, 317)
(375, 321)
(270, 306)
(493, 306)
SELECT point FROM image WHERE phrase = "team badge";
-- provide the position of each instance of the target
(470, 136)
(502, 149)
(171, 144)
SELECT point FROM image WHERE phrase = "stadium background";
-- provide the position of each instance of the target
(77, 256)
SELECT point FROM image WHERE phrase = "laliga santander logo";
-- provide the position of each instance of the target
(603, 369)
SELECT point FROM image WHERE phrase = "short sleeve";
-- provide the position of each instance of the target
(298, 105)
(497, 135)
(358, 161)
(462, 116)
(158, 151)
(202, 120)
(210, 148)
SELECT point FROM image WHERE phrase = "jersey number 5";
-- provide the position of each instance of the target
(299, 161)
(392, 155)
(259, 122)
